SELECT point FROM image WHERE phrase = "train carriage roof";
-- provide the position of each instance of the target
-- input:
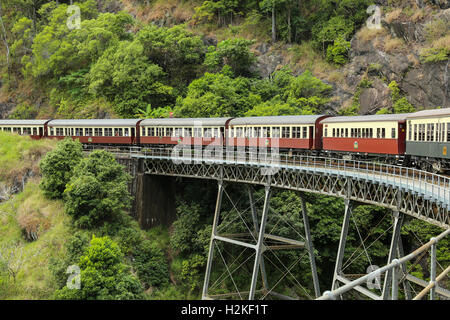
(213, 122)
(13, 122)
(276, 120)
(94, 123)
(368, 118)
(430, 113)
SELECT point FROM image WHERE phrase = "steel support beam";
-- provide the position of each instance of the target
(398, 222)
(349, 206)
(213, 235)
(310, 247)
(259, 245)
(256, 228)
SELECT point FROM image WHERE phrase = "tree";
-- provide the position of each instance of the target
(125, 75)
(103, 275)
(97, 191)
(57, 167)
(217, 95)
(234, 53)
(271, 6)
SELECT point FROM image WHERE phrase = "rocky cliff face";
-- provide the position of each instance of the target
(382, 56)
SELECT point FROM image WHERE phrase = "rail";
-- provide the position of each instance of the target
(396, 265)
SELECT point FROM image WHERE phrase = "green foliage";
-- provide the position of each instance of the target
(151, 265)
(24, 111)
(234, 53)
(337, 53)
(103, 275)
(337, 28)
(58, 165)
(192, 271)
(216, 95)
(124, 75)
(97, 191)
(399, 104)
(433, 55)
(183, 238)
(74, 247)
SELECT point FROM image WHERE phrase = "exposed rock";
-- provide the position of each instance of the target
(428, 86)
(374, 98)
(269, 62)
(5, 108)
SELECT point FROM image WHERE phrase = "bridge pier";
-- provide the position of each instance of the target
(154, 200)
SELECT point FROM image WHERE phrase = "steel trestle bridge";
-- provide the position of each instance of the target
(405, 191)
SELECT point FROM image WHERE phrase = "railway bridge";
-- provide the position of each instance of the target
(405, 191)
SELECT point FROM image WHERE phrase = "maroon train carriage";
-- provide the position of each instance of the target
(36, 129)
(372, 136)
(293, 133)
(97, 131)
(190, 131)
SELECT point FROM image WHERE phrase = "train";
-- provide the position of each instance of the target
(420, 140)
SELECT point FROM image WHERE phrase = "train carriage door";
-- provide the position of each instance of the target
(311, 137)
(133, 135)
(401, 137)
(41, 132)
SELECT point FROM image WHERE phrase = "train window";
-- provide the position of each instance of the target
(118, 132)
(296, 132)
(169, 132)
(197, 132)
(383, 133)
(108, 132)
(238, 132)
(346, 132)
(448, 132)
(246, 132)
(88, 132)
(265, 132)
(78, 132)
(207, 133)
(275, 132)
(216, 133)
(334, 132)
(305, 132)
(98, 132)
(151, 132)
(286, 132)
(371, 133)
(34, 131)
(393, 133)
(160, 132)
(26, 131)
(257, 132)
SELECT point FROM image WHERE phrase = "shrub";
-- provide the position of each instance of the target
(151, 265)
(57, 167)
(337, 53)
(98, 190)
(103, 275)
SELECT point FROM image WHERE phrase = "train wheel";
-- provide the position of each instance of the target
(436, 167)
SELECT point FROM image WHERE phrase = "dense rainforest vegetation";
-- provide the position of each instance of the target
(72, 210)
